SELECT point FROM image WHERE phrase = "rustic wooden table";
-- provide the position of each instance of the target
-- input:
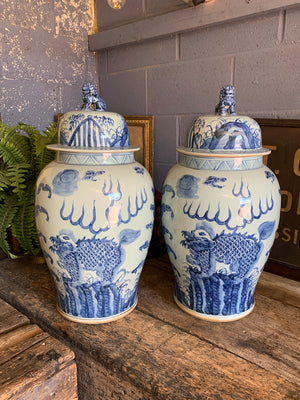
(33, 365)
(160, 352)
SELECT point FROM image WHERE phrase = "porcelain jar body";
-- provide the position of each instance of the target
(94, 216)
(219, 218)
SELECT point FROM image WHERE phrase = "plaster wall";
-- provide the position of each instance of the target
(178, 77)
(44, 58)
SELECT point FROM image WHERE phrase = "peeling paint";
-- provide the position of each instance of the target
(75, 16)
(29, 14)
(44, 58)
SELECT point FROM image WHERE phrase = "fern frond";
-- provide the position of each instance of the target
(10, 154)
(18, 175)
(6, 131)
(22, 143)
(3, 195)
(15, 142)
(8, 210)
(23, 154)
(48, 156)
(3, 128)
(23, 225)
(31, 131)
(4, 180)
(51, 132)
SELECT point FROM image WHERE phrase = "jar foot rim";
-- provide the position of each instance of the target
(102, 320)
(213, 318)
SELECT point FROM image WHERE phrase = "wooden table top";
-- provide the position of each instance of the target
(33, 365)
(168, 354)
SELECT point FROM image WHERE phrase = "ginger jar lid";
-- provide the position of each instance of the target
(93, 129)
(224, 134)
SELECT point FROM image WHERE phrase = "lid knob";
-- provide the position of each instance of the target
(226, 103)
(91, 99)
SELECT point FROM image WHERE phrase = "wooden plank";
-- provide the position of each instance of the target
(26, 359)
(18, 335)
(268, 337)
(169, 363)
(10, 318)
(5, 308)
(61, 386)
(98, 382)
(15, 342)
(182, 20)
(27, 372)
(165, 353)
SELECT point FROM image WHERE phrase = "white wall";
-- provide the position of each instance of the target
(177, 77)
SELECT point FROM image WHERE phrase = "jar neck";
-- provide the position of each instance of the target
(221, 163)
(77, 158)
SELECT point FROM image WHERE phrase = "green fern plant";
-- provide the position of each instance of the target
(23, 154)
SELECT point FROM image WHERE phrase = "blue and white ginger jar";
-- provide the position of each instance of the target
(94, 214)
(220, 211)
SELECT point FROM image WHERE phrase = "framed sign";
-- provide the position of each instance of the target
(282, 136)
(141, 134)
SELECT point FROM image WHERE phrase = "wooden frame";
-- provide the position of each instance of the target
(141, 132)
(282, 136)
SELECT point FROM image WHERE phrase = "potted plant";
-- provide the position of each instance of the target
(23, 154)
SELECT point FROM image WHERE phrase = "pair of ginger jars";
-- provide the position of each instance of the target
(95, 209)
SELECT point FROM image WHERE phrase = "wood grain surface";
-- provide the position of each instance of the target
(160, 352)
(33, 365)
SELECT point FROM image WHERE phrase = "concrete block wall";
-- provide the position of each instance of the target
(178, 77)
(44, 58)
(134, 10)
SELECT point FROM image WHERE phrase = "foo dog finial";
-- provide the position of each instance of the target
(91, 99)
(226, 101)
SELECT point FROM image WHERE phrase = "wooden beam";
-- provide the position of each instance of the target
(182, 20)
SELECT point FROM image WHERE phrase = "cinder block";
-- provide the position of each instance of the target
(165, 140)
(292, 33)
(268, 80)
(185, 124)
(101, 59)
(230, 38)
(138, 55)
(89, 72)
(160, 173)
(108, 18)
(125, 92)
(159, 7)
(187, 87)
